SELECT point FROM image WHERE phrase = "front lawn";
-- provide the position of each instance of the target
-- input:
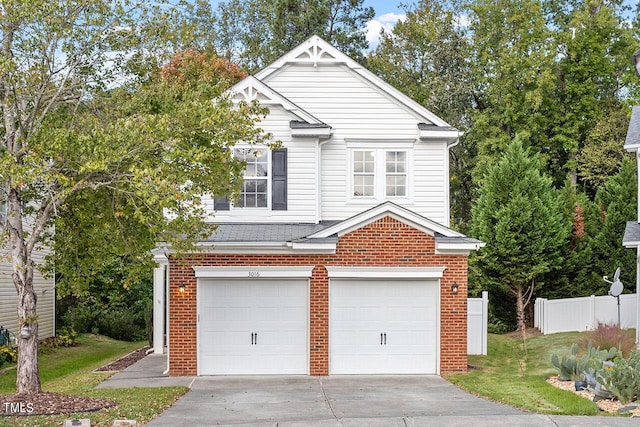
(69, 371)
(510, 376)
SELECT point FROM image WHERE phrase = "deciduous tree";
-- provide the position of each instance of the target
(66, 131)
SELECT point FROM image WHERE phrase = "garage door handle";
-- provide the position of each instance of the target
(256, 338)
(380, 338)
(252, 338)
(385, 338)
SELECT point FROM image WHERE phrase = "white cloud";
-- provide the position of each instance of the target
(386, 22)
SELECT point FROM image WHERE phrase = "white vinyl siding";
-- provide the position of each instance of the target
(45, 291)
(358, 111)
(301, 177)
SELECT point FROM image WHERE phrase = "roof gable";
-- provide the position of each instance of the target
(386, 209)
(250, 88)
(316, 51)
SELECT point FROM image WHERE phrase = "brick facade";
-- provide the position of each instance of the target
(386, 242)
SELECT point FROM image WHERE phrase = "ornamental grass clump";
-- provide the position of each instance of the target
(609, 336)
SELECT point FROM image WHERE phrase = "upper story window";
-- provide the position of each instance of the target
(255, 188)
(396, 174)
(379, 173)
(363, 173)
(265, 180)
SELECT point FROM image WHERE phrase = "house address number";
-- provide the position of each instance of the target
(254, 274)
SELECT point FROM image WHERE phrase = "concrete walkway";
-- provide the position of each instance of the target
(345, 401)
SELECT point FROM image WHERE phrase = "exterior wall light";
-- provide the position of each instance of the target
(182, 287)
(454, 289)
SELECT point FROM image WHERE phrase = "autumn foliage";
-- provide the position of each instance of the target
(194, 67)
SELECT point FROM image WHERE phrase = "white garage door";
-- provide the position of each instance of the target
(256, 326)
(383, 326)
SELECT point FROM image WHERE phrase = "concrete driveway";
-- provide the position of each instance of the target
(388, 401)
(297, 401)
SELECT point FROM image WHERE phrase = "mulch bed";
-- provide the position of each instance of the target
(606, 405)
(55, 403)
(125, 361)
(49, 404)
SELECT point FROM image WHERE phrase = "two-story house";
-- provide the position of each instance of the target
(337, 258)
(631, 237)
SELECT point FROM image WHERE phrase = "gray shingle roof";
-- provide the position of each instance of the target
(633, 133)
(431, 126)
(261, 232)
(298, 124)
(631, 232)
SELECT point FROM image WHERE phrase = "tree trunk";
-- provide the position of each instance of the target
(28, 376)
(520, 309)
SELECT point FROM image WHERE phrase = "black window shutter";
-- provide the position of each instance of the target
(279, 180)
(221, 203)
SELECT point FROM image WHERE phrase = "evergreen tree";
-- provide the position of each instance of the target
(518, 216)
(617, 201)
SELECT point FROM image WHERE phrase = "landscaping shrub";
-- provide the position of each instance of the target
(610, 336)
(65, 337)
(120, 324)
(8, 355)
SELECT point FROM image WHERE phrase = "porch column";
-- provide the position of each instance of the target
(159, 280)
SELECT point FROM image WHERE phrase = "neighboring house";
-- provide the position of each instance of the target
(631, 237)
(45, 290)
(337, 258)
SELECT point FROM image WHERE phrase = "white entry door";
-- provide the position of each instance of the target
(256, 326)
(383, 326)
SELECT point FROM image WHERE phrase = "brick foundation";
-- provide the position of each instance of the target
(386, 242)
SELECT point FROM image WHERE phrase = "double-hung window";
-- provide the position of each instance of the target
(379, 174)
(265, 180)
(255, 188)
(396, 174)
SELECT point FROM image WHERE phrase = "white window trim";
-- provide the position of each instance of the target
(250, 210)
(379, 191)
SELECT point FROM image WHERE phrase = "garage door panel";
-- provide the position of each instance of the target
(230, 311)
(404, 310)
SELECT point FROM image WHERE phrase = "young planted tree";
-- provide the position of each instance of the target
(518, 216)
(66, 131)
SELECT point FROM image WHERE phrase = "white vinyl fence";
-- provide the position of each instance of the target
(581, 314)
(477, 319)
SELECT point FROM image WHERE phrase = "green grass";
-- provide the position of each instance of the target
(69, 371)
(509, 376)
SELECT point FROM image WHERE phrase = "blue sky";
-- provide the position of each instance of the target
(387, 14)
